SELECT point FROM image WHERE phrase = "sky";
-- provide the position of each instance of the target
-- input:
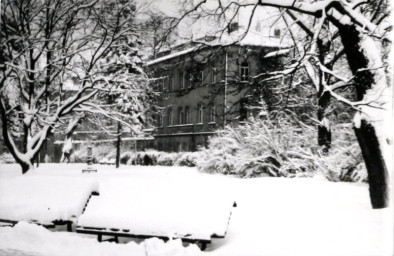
(264, 18)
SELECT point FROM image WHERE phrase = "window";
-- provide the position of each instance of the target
(232, 27)
(277, 32)
(160, 84)
(189, 80)
(202, 77)
(171, 83)
(245, 72)
(187, 115)
(159, 120)
(182, 80)
(169, 117)
(180, 116)
(212, 114)
(214, 75)
(200, 114)
(165, 82)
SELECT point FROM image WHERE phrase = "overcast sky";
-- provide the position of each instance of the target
(265, 16)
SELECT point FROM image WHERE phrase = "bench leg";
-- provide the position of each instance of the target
(116, 239)
(203, 246)
(99, 237)
(69, 227)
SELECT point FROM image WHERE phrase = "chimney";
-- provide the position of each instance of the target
(232, 27)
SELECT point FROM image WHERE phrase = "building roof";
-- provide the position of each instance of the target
(172, 55)
(252, 38)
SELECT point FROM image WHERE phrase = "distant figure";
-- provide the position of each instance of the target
(68, 145)
(47, 159)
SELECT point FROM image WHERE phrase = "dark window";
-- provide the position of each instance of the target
(171, 83)
(189, 80)
(233, 27)
(166, 82)
(169, 117)
(245, 72)
(160, 83)
(212, 114)
(187, 115)
(214, 75)
(180, 116)
(182, 80)
(159, 120)
(276, 32)
(200, 114)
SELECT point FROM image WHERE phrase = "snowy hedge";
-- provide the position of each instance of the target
(345, 161)
(99, 153)
(257, 147)
(6, 158)
(280, 149)
(149, 157)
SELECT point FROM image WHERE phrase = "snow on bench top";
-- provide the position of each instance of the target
(30, 239)
(159, 208)
(44, 198)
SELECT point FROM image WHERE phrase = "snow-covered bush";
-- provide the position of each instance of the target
(148, 158)
(167, 159)
(281, 149)
(345, 161)
(6, 158)
(125, 157)
(188, 159)
(99, 153)
(259, 147)
(152, 157)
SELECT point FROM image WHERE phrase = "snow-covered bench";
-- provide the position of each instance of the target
(89, 169)
(46, 201)
(193, 221)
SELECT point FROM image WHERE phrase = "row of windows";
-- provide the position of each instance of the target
(186, 80)
(184, 116)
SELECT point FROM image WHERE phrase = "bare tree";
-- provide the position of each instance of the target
(73, 123)
(359, 29)
(46, 44)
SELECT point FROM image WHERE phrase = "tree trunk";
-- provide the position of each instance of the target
(377, 171)
(118, 142)
(25, 138)
(323, 130)
(38, 159)
(366, 132)
(25, 167)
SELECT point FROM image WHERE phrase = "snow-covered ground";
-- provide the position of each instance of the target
(274, 216)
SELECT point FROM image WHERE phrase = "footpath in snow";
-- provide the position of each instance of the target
(274, 216)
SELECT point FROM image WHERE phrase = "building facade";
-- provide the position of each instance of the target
(206, 85)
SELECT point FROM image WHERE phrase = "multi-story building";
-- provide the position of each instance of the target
(209, 83)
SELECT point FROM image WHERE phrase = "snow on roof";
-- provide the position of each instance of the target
(172, 55)
(277, 53)
(252, 38)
